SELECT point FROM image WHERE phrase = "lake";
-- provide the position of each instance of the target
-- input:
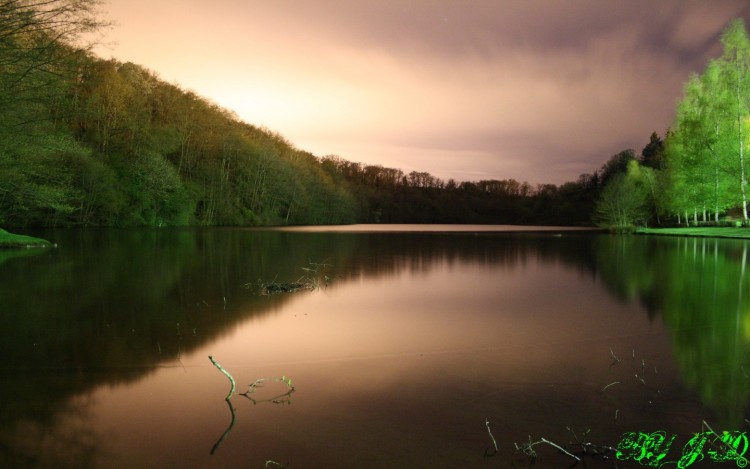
(414, 347)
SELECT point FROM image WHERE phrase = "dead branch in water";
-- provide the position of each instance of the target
(283, 398)
(226, 373)
(312, 280)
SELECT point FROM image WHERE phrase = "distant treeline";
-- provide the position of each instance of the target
(92, 142)
(387, 195)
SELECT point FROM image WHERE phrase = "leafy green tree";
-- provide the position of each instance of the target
(706, 158)
(624, 201)
(156, 196)
(735, 68)
(36, 183)
(699, 157)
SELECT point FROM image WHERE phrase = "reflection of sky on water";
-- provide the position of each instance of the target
(402, 368)
(397, 363)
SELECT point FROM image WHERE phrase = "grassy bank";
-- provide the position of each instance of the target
(709, 231)
(10, 240)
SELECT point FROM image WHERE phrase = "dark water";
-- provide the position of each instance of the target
(418, 340)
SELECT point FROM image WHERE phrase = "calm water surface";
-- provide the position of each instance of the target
(419, 338)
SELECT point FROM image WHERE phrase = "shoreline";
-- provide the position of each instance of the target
(15, 241)
(698, 232)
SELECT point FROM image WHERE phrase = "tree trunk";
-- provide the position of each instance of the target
(743, 184)
(743, 179)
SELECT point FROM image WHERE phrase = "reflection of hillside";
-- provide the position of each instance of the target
(7, 254)
(111, 306)
(700, 287)
(383, 254)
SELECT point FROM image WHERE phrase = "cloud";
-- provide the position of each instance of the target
(536, 90)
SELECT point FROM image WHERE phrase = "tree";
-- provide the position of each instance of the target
(653, 153)
(735, 68)
(624, 201)
(698, 155)
(706, 168)
(38, 40)
(617, 164)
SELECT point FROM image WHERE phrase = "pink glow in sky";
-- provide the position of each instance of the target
(535, 90)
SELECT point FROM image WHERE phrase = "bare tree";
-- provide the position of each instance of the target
(38, 39)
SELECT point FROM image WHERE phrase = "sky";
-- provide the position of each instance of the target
(534, 90)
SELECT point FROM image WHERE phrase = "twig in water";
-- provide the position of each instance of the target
(487, 423)
(561, 449)
(610, 384)
(251, 387)
(614, 357)
(258, 383)
(706, 425)
(284, 398)
(590, 448)
(226, 373)
(277, 464)
(528, 449)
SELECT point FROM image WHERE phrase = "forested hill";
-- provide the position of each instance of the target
(92, 142)
(115, 145)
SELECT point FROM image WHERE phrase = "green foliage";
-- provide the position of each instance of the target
(109, 143)
(703, 231)
(10, 240)
(699, 170)
(705, 152)
(134, 150)
(695, 285)
(156, 196)
(625, 200)
(36, 57)
(137, 151)
(36, 183)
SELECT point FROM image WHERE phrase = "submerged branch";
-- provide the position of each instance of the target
(494, 443)
(281, 398)
(528, 448)
(226, 373)
(314, 280)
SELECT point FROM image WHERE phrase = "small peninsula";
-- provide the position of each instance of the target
(10, 240)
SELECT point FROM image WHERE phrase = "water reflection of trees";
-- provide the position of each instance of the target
(112, 306)
(701, 288)
(133, 299)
